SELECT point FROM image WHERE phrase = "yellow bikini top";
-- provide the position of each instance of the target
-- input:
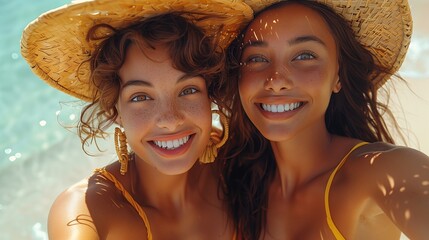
(131, 200)
(331, 224)
(142, 214)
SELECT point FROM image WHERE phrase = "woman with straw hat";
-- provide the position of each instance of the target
(152, 68)
(312, 156)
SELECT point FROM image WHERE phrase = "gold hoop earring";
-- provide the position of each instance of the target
(215, 141)
(121, 150)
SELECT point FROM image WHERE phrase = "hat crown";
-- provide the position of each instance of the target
(56, 48)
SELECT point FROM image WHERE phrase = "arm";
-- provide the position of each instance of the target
(402, 189)
(69, 217)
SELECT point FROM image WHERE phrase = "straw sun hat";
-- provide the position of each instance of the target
(55, 44)
(383, 26)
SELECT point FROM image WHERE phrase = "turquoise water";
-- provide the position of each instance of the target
(38, 157)
(28, 107)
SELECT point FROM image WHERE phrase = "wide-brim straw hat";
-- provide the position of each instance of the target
(55, 43)
(384, 27)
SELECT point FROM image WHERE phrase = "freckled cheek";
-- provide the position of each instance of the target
(198, 111)
(135, 117)
(136, 122)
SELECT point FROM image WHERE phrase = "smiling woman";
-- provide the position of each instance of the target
(312, 156)
(155, 101)
(154, 73)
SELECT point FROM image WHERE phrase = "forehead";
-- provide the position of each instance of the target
(285, 21)
(148, 62)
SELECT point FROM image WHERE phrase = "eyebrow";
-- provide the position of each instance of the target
(136, 83)
(139, 82)
(297, 40)
(306, 38)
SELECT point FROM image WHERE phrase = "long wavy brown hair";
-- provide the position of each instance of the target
(249, 164)
(190, 49)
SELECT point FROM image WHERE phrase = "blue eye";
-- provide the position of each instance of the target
(305, 56)
(140, 98)
(257, 59)
(254, 59)
(188, 91)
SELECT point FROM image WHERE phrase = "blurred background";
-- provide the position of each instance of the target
(40, 156)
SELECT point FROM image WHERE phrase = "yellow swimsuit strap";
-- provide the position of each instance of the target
(331, 224)
(128, 197)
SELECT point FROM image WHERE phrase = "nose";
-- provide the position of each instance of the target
(278, 80)
(170, 116)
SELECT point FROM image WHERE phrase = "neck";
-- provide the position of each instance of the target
(166, 193)
(301, 159)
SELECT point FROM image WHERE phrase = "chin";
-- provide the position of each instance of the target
(175, 168)
(275, 134)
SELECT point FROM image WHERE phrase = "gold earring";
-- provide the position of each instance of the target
(215, 141)
(121, 150)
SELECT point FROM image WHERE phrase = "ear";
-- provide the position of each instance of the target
(337, 86)
(118, 120)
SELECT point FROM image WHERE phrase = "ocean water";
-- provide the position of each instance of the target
(28, 107)
(39, 157)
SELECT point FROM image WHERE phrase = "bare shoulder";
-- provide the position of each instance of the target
(391, 158)
(397, 178)
(69, 216)
(389, 164)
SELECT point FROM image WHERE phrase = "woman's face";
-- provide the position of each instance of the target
(289, 71)
(166, 116)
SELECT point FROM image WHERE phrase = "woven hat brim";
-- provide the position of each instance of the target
(383, 27)
(55, 44)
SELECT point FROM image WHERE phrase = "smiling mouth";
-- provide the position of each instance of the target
(279, 108)
(172, 144)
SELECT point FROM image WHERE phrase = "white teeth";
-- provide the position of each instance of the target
(172, 144)
(280, 107)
